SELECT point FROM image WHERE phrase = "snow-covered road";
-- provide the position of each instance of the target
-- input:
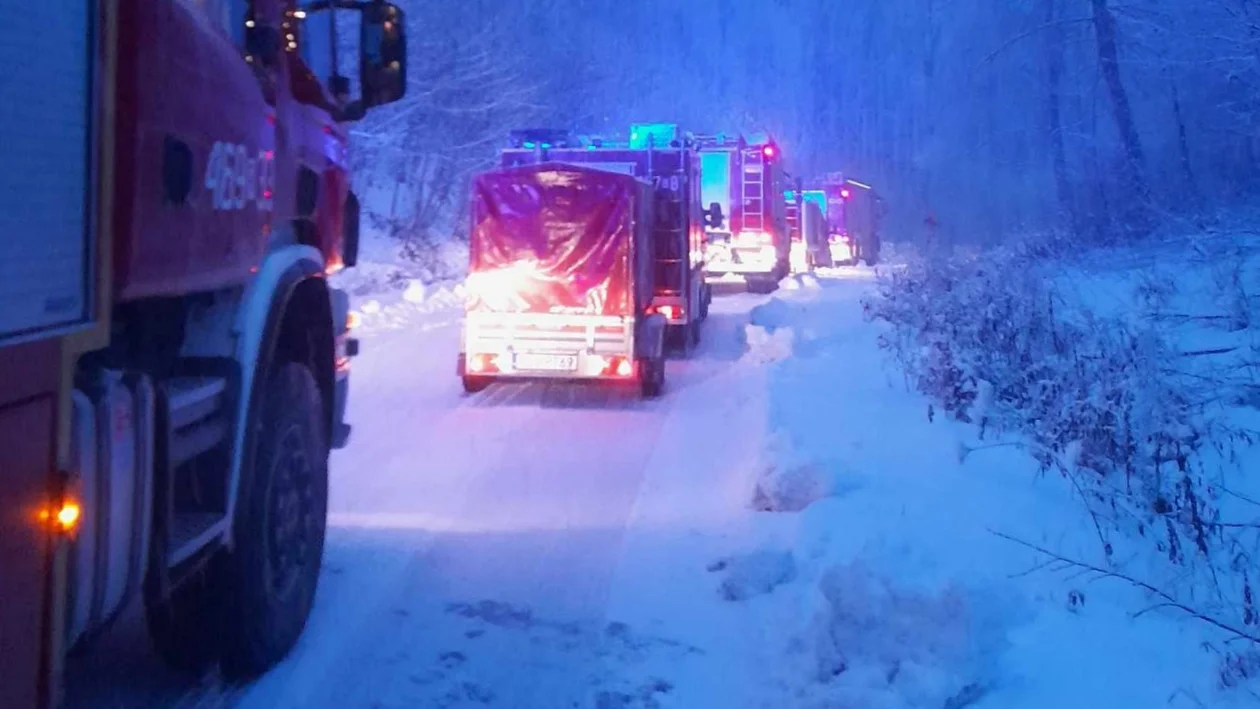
(478, 545)
(786, 527)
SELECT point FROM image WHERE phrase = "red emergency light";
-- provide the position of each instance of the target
(768, 151)
(845, 193)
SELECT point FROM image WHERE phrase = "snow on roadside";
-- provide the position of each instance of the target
(390, 292)
(871, 563)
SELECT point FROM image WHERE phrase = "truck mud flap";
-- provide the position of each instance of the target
(649, 340)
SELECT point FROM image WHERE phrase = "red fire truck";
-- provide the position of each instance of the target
(742, 181)
(853, 213)
(175, 362)
(808, 229)
(660, 154)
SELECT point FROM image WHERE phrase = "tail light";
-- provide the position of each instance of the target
(671, 312)
(614, 366)
(483, 363)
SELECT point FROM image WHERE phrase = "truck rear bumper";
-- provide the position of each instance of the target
(550, 347)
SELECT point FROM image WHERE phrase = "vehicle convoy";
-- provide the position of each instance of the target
(657, 153)
(853, 212)
(176, 364)
(808, 229)
(561, 282)
(747, 240)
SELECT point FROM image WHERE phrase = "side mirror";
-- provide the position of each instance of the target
(382, 54)
(713, 216)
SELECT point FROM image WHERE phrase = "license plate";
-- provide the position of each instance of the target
(545, 362)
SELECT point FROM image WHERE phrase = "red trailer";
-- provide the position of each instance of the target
(561, 279)
(743, 178)
(176, 364)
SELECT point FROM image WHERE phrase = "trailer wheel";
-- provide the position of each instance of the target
(272, 572)
(473, 384)
(652, 377)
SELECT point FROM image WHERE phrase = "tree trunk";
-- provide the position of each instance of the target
(1054, 112)
(1134, 165)
(1183, 143)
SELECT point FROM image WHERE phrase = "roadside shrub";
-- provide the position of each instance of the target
(1099, 399)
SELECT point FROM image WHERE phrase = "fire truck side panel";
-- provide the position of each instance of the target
(27, 426)
(195, 150)
(44, 174)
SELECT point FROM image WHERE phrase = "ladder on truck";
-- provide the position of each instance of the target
(793, 213)
(671, 229)
(752, 190)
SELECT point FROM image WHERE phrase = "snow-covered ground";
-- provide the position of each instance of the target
(784, 528)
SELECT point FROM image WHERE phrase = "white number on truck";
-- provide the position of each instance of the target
(671, 183)
(236, 179)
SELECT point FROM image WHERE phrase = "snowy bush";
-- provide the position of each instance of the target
(1101, 399)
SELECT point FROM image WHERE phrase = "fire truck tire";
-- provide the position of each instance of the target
(652, 377)
(271, 573)
(472, 384)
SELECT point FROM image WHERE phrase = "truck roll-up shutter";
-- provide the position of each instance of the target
(45, 169)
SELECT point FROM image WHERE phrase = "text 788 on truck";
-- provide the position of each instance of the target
(175, 363)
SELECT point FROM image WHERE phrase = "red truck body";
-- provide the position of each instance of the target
(745, 179)
(551, 240)
(177, 194)
(674, 172)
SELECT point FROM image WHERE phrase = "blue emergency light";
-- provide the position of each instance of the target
(657, 135)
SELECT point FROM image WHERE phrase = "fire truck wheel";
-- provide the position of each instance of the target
(472, 384)
(271, 574)
(693, 334)
(652, 376)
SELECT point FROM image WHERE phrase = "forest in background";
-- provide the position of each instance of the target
(1099, 119)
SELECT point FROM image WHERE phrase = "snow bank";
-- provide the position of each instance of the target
(391, 289)
(1126, 383)
(754, 574)
(791, 481)
(883, 645)
(763, 345)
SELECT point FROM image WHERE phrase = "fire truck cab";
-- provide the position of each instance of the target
(175, 194)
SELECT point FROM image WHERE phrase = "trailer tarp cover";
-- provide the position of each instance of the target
(553, 238)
